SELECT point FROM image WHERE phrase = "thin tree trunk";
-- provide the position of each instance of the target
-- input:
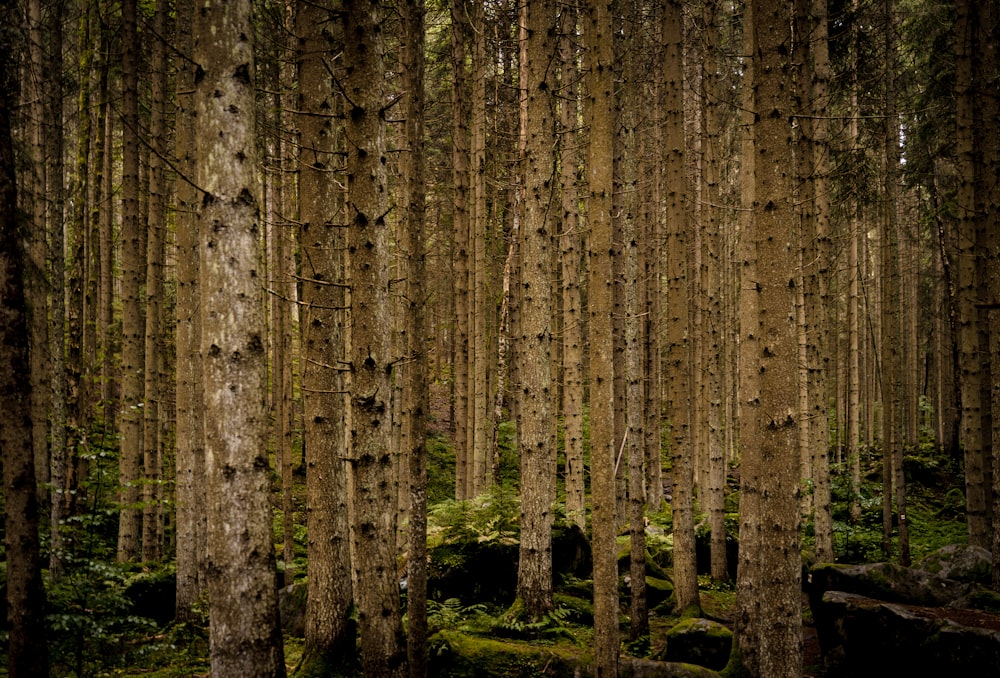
(570, 243)
(190, 426)
(460, 159)
(133, 273)
(678, 349)
(417, 333)
(599, 113)
(152, 466)
(58, 451)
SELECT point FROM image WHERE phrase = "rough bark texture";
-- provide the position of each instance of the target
(460, 31)
(678, 354)
(133, 274)
(599, 113)
(570, 241)
(970, 363)
(330, 634)
(535, 429)
(374, 489)
(417, 333)
(26, 649)
(245, 637)
(769, 619)
(190, 427)
(152, 513)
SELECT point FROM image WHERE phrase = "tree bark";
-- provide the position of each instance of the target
(133, 275)
(27, 654)
(535, 429)
(769, 619)
(599, 113)
(245, 636)
(374, 485)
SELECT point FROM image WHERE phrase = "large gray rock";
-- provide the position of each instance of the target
(863, 637)
(960, 562)
(933, 619)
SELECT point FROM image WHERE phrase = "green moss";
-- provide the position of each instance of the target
(457, 655)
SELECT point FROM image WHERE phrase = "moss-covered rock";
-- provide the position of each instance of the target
(960, 562)
(699, 641)
(456, 655)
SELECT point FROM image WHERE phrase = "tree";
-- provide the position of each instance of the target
(417, 334)
(678, 355)
(153, 387)
(571, 241)
(133, 275)
(330, 633)
(26, 651)
(599, 115)
(768, 622)
(245, 636)
(374, 484)
(460, 159)
(189, 432)
(535, 430)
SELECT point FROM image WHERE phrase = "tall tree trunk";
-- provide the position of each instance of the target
(714, 493)
(678, 349)
(417, 333)
(245, 635)
(892, 331)
(769, 619)
(27, 654)
(970, 376)
(599, 113)
(536, 433)
(374, 490)
(825, 339)
(460, 159)
(330, 632)
(55, 191)
(133, 273)
(152, 464)
(479, 282)
(190, 426)
(35, 207)
(570, 243)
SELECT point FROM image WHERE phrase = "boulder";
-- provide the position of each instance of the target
(934, 618)
(861, 636)
(886, 581)
(960, 562)
(292, 609)
(699, 641)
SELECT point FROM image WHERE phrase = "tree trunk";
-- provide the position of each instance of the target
(27, 654)
(374, 489)
(678, 349)
(245, 636)
(133, 274)
(460, 31)
(190, 427)
(55, 192)
(417, 333)
(570, 243)
(599, 113)
(769, 619)
(152, 463)
(535, 429)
